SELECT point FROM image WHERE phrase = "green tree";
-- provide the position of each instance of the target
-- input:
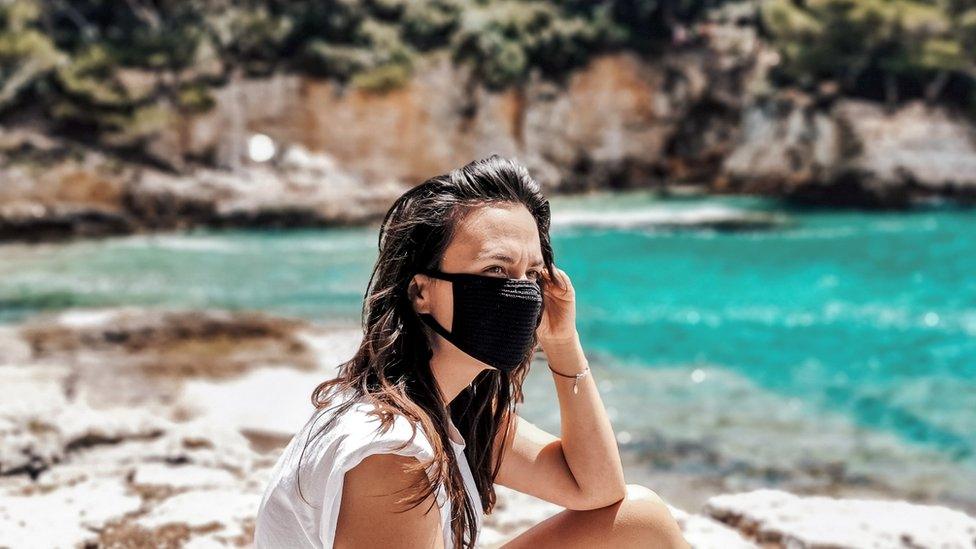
(884, 49)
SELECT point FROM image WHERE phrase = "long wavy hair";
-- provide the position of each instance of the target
(391, 368)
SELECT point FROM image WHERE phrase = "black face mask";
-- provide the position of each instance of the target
(494, 318)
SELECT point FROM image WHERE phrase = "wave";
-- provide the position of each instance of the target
(183, 243)
(710, 216)
(876, 315)
(238, 243)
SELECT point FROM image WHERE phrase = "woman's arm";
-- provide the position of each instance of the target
(587, 437)
(581, 469)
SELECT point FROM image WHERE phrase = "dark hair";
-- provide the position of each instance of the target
(391, 368)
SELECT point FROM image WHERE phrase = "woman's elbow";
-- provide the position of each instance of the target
(606, 496)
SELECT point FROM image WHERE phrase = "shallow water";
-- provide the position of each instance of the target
(845, 336)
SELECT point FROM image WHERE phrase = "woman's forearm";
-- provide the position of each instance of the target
(588, 442)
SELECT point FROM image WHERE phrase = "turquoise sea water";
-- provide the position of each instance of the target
(845, 336)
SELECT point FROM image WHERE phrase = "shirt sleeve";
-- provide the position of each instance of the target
(364, 439)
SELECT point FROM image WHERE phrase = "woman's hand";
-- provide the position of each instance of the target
(558, 323)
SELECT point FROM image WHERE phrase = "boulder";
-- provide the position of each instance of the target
(780, 519)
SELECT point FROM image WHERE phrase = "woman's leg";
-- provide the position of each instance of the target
(640, 520)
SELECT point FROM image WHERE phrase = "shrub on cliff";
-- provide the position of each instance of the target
(881, 49)
(504, 40)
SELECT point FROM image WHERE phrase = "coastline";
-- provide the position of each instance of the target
(149, 416)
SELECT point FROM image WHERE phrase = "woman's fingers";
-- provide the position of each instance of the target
(561, 287)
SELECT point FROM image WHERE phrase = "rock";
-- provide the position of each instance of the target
(916, 145)
(781, 519)
(181, 476)
(34, 440)
(696, 113)
(65, 516)
(168, 344)
(150, 492)
(36, 222)
(782, 142)
(230, 520)
(303, 190)
(57, 191)
(79, 468)
(853, 152)
(13, 348)
(703, 532)
(66, 375)
(68, 192)
(105, 484)
(30, 398)
(20, 140)
(243, 402)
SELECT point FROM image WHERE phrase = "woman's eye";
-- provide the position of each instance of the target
(533, 275)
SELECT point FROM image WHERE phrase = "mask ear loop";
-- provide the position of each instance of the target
(428, 318)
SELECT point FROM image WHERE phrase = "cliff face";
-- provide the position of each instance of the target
(853, 153)
(701, 114)
(611, 124)
(698, 114)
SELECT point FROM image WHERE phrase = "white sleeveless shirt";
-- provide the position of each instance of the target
(284, 519)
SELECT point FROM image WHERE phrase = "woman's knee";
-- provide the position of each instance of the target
(650, 516)
(639, 492)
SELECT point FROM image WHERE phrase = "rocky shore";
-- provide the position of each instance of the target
(124, 427)
(88, 193)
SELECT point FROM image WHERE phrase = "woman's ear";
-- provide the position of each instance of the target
(419, 294)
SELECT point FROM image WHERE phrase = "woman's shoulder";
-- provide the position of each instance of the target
(336, 439)
(353, 429)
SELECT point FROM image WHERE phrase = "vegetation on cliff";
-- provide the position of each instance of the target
(120, 69)
(115, 72)
(888, 50)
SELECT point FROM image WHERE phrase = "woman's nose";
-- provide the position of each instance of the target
(522, 274)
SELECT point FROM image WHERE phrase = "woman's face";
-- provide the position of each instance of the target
(495, 240)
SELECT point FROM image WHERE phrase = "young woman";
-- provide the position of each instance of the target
(408, 440)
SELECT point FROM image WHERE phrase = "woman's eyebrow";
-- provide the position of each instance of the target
(501, 256)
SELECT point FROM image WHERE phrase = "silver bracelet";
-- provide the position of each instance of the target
(575, 377)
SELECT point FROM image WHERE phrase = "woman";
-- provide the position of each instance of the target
(419, 425)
